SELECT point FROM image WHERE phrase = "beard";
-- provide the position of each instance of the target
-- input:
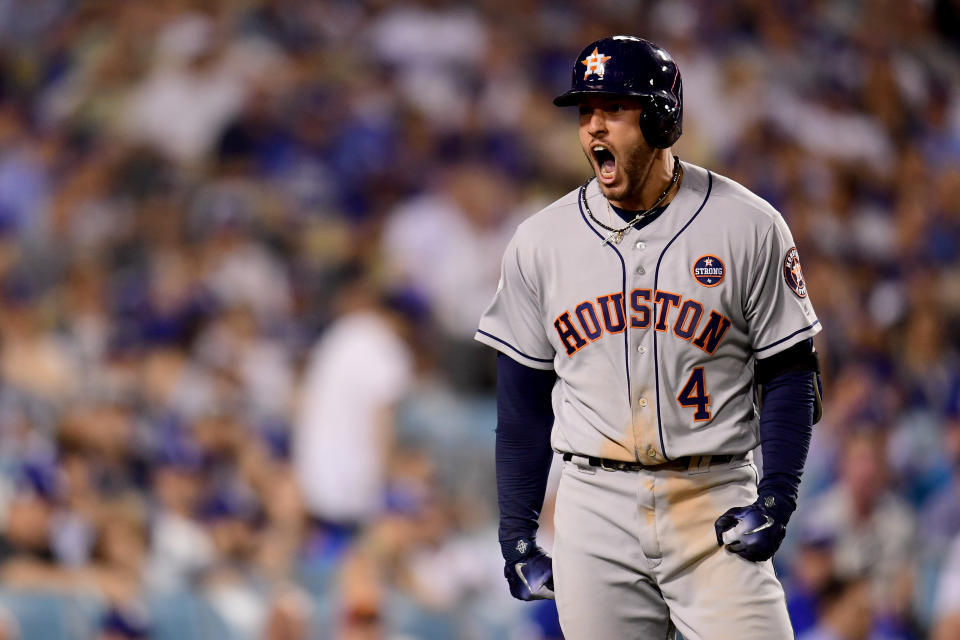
(631, 173)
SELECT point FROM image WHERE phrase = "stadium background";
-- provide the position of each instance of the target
(244, 245)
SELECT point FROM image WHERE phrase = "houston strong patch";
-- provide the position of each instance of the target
(708, 270)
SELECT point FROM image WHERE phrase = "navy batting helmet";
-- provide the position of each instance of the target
(630, 66)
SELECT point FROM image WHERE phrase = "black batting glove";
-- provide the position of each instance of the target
(528, 569)
(753, 532)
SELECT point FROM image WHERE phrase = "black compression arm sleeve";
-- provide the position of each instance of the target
(524, 421)
(786, 425)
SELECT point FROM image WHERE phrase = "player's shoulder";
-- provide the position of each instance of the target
(740, 205)
(549, 220)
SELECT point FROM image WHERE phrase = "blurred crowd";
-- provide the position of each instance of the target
(244, 245)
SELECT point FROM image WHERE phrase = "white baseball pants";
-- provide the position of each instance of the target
(636, 556)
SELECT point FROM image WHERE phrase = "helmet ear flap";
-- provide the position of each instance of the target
(661, 121)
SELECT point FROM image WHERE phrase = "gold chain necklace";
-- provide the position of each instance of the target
(616, 235)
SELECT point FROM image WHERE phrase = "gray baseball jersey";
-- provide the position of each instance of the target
(653, 338)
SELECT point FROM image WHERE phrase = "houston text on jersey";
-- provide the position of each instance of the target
(591, 319)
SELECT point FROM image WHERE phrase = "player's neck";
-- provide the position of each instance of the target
(655, 179)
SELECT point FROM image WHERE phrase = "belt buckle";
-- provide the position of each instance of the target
(603, 465)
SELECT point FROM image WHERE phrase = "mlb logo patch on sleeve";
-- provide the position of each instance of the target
(793, 274)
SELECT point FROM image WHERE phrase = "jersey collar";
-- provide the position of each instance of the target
(673, 217)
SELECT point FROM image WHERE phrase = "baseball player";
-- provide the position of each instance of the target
(653, 327)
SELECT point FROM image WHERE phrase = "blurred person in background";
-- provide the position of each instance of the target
(31, 355)
(26, 538)
(235, 346)
(24, 177)
(940, 516)
(361, 599)
(872, 529)
(439, 244)
(289, 617)
(32, 551)
(191, 77)
(946, 607)
(939, 522)
(845, 611)
(871, 526)
(119, 554)
(9, 629)
(124, 623)
(813, 568)
(420, 562)
(852, 392)
(234, 587)
(344, 429)
(180, 545)
(442, 563)
(284, 531)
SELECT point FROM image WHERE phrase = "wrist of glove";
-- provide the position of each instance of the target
(528, 569)
(754, 532)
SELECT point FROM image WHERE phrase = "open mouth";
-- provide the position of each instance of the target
(606, 163)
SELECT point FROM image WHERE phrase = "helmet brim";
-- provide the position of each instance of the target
(572, 98)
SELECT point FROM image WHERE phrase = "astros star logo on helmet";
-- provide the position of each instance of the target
(595, 64)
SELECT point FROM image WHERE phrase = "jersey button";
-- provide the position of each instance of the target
(641, 245)
(642, 402)
(641, 349)
(641, 271)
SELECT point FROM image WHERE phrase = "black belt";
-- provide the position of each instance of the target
(677, 464)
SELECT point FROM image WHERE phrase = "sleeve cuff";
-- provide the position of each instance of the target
(508, 349)
(786, 342)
